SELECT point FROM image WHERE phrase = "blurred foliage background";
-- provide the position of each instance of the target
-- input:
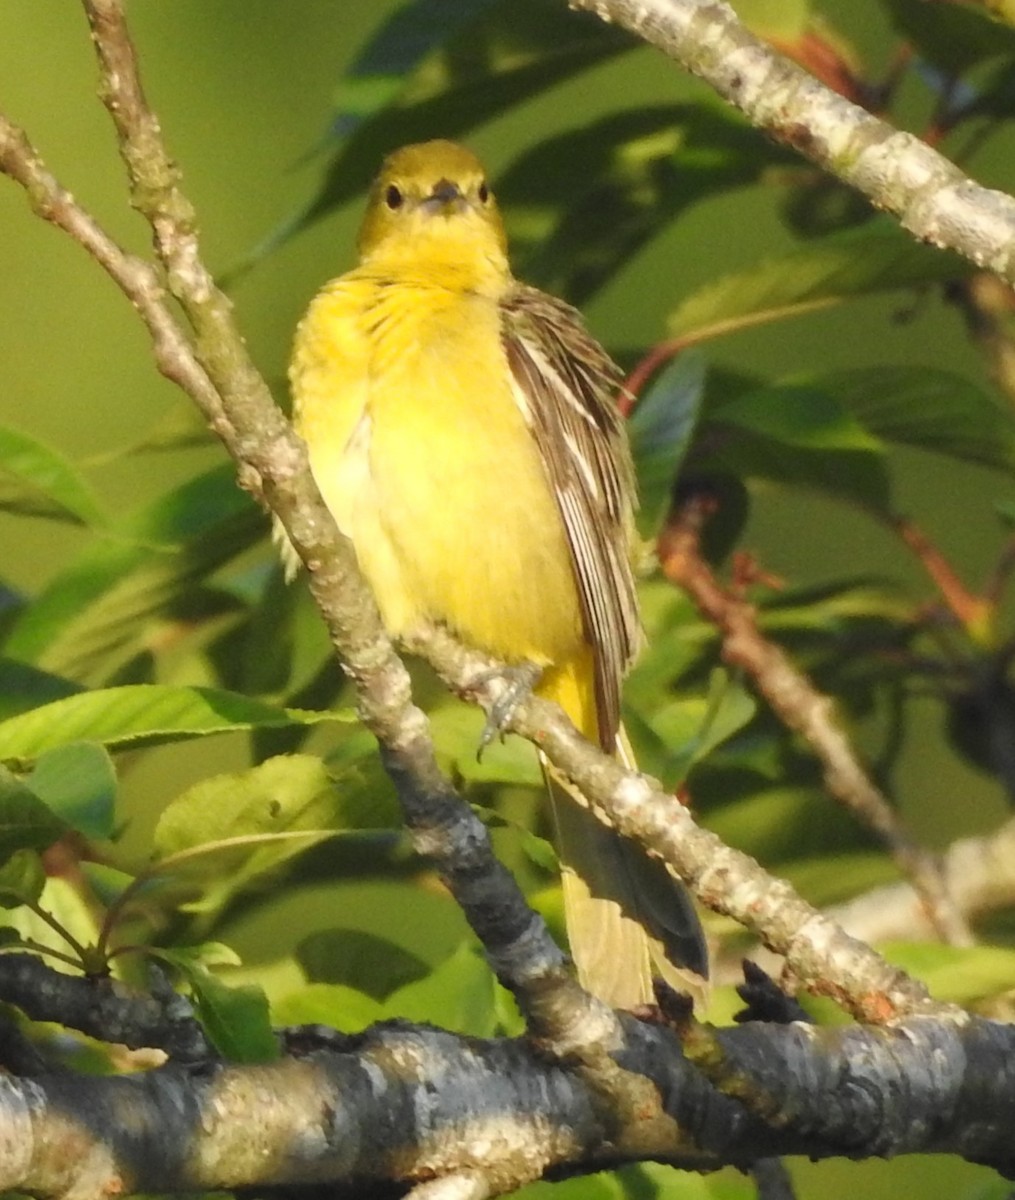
(883, 390)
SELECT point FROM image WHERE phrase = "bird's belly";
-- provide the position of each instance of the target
(458, 504)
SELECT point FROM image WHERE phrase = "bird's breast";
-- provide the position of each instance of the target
(439, 482)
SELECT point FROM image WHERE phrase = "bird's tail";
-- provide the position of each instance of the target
(628, 920)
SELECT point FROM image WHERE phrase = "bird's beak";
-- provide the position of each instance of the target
(446, 196)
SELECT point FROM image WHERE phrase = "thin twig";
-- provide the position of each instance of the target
(972, 612)
(818, 953)
(797, 703)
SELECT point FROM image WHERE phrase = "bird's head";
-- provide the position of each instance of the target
(432, 202)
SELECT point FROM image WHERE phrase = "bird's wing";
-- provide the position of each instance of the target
(565, 383)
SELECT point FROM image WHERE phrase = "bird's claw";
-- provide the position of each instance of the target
(519, 681)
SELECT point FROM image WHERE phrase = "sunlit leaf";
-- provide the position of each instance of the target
(457, 730)
(142, 714)
(819, 275)
(37, 481)
(67, 906)
(283, 795)
(256, 821)
(960, 974)
(691, 727)
(457, 995)
(775, 18)
(331, 1004)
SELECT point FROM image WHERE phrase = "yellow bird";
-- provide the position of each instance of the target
(462, 430)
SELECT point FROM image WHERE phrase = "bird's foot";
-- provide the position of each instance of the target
(519, 682)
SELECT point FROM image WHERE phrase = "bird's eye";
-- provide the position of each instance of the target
(393, 197)
(483, 193)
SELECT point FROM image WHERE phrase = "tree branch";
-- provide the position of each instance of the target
(895, 170)
(818, 952)
(406, 1104)
(797, 703)
(103, 1008)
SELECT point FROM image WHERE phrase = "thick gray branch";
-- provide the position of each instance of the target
(103, 1008)
(404, 1104)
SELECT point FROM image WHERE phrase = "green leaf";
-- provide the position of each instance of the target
(799, 437)
(36, 481)
(78, 782)
(197, 956)
(280, 648)
(236, 1019)
(819, 275)
(108, 883)
(22, 878)
(25, 822)
(143, 714)
(961, 975)
(580, 204)
(775, 18)
(23, 687)
(288, 794)
(331, 1004)
(838, 608)
(693, 726)
(951, 37)
(837, 877)
(660, 429)
(358, 960)
(995, 97)
(101, 612)
(181, 427)
(457, 730)
(925, 407)
(256, 821)
(69, 912)
(797, 416)
(457, 995)
(782, 824)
